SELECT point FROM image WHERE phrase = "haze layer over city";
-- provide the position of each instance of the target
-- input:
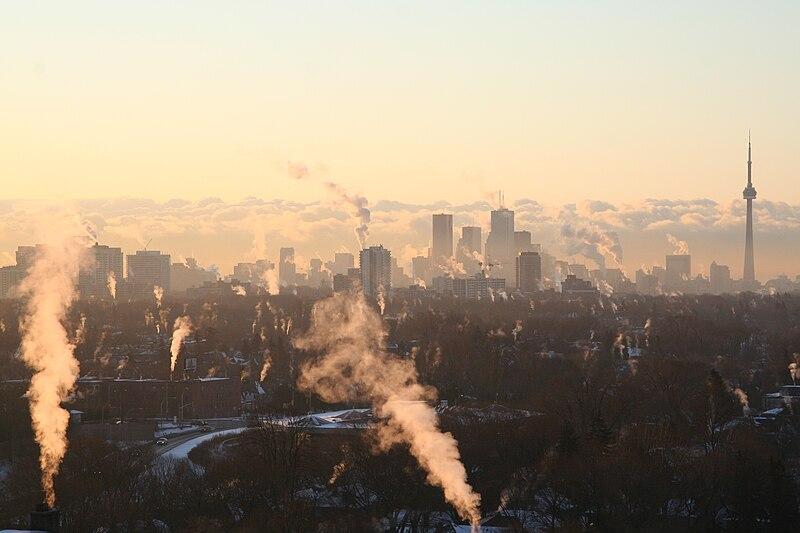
(399, 267)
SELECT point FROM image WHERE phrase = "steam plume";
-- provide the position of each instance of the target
(593, 243)
(265, 366)
(381, 299)
(744, 401)
(358, 206)
(50, 289)
(794, 372)
(270, 277)
(181, 330)
(158, 292)
(112, 284)
(680, 247)
(355, 366)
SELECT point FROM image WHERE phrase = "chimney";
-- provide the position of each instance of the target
(45, 519)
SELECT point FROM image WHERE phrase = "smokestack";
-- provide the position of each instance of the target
(45, 518)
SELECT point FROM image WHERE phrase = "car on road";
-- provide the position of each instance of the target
(162, 441)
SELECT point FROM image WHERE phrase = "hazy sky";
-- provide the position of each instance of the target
(407, 101)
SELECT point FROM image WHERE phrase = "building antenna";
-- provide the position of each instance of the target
(148, 244)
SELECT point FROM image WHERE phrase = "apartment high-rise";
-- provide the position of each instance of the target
(442, 243)
(287, 270)
(529, 272)
(146, 269)
(93, 279)
(719, 277)
(375, 264)
(679, 271)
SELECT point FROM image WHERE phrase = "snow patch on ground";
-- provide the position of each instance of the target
(182, 451)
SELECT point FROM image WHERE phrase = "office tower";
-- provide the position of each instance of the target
(147, 269)
(660, 273)
(646, 283)
(562, 269)
(93, 279)
(399, 276)
(342, 261)
(679, 271)
(318, 276)
(749, 194)
(500, 242)
(469, 249)
(189, 275)
(529, 272)
(573, 285)
(719, 277)
(614, 277)
(375, 264)
(287, 271)
(523, 243)
(442, 248)
(421, 268)
(580, 271)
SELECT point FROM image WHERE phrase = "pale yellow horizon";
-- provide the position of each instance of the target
(416, 103)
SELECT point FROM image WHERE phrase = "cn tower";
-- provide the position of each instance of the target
(749, 194)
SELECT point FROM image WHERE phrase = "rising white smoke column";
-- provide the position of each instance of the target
(354, 366)
(358, 206)
(270, 277)
(594, 243)
(266, 365)
(50, 290)
(381, 300)
(517, 329)
(181, 330)
(112, 284)
(158, 292)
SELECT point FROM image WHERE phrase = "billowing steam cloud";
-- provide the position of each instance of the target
(112, 284)
(50, 290)
(679, 247)
(593, 243)
(181, 330)
(354, 366)
(358, 206)
(270, 277)
(158, 292)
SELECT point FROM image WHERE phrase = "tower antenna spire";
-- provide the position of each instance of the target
(749, 194)
(749, 162)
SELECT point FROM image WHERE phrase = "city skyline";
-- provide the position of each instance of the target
(222, 234)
